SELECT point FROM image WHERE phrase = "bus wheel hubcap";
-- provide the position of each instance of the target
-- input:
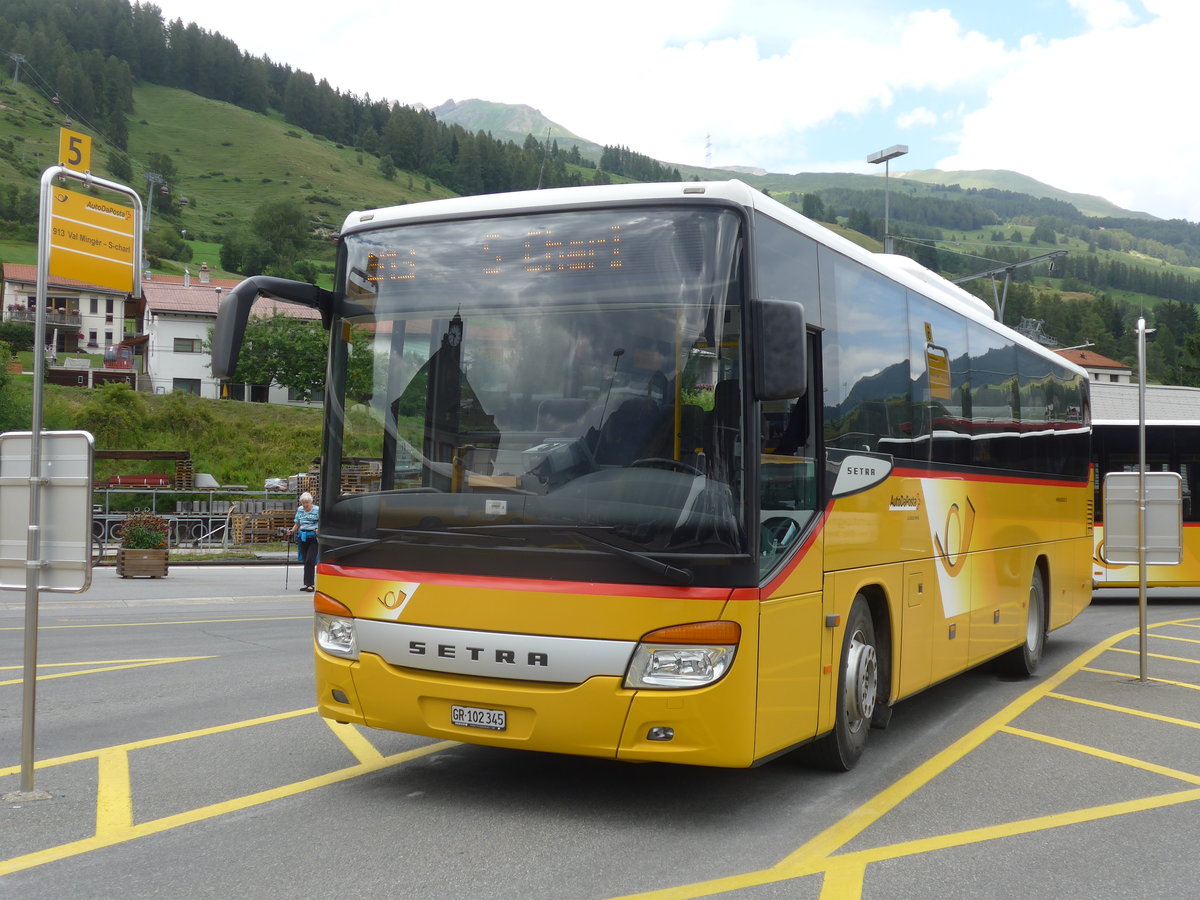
(862, 678)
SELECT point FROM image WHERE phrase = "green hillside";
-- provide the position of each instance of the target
(29, 127)
(231, 160)
(1002, 179)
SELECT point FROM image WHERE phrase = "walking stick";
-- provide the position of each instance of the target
(287, 561)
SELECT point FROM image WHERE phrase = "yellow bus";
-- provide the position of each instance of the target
(1172, 445)
(668, 472)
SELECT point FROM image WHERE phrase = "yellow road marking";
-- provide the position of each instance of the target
(1178, 775)
(110, 837)
(1171, 637)
(844, 881)
(114, 800)
(364, 751)
(175, 622)
(1182, 659)
(162, 741)
(1183, 684)
(114, 668)
(87, 662)
(1125, 710)
(1007, 829)
(844, 872)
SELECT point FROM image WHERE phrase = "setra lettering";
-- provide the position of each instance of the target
(477, 654)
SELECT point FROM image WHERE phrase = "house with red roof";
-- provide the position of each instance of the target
(167, 328)
(80, 317)
(1099, 368)
(180, 312)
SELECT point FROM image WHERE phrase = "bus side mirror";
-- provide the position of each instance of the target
(779, 340)
(234, 313)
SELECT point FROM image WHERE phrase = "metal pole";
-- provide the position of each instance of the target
(887, 207)
(33, 548)
(1141, 503)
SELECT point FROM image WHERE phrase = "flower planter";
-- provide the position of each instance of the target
(133, 563)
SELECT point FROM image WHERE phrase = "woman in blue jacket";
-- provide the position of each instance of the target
(305, 528)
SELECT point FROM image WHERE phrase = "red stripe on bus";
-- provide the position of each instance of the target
(988, 477)
(543, 585)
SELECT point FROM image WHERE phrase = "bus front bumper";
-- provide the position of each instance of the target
(711, 726)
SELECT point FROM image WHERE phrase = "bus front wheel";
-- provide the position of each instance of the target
(858, 692)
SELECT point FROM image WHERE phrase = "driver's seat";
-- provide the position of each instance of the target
(628, 433)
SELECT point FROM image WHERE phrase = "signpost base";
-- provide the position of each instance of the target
(25, 796)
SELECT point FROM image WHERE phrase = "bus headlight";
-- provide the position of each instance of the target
(684, 656)
(334, 628)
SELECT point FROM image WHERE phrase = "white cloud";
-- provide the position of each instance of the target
(922, 115)
(1104, 13)
(1097, 114)
(775, 81)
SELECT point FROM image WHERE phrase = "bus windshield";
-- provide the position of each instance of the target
(567, 383)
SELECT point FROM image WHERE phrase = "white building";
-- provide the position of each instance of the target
(167, 328)
(80, 317)
(180, 313)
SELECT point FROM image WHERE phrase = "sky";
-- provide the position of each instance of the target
(1090, 96)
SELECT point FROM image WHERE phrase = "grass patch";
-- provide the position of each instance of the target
(235, 442)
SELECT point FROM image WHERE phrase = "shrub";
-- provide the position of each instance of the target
(17, 334)
(183, 415)
(143, 530)
(116, 415)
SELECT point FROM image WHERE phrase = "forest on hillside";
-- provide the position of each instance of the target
(88, 54)
(87, 57)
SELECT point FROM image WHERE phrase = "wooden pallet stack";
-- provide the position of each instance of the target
(359, 478)
(265, 527)
(185, 475)
(310, 482)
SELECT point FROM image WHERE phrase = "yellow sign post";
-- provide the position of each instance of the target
(84, 238)
(74, 150)
(91, 240)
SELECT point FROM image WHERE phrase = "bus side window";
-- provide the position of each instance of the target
(788, 471)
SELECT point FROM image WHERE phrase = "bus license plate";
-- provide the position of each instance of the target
(477, 717)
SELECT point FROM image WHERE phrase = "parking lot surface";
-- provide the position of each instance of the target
(1085, 783)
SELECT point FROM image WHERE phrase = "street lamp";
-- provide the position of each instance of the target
(885, 157)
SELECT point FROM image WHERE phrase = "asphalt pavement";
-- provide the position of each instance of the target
(184, 583)
(1086, 782)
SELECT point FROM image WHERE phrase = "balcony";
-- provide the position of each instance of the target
(53, 317)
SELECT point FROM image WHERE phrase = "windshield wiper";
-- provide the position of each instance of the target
(422, 536)
(673, 573)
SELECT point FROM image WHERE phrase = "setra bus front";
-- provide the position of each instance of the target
(539, 527)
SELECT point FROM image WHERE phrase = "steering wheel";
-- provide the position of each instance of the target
(661, 462)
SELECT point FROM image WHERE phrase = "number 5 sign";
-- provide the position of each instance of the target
(74, 150)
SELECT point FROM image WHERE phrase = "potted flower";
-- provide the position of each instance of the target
(143, 549)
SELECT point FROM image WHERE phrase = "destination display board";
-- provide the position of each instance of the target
(91, 240)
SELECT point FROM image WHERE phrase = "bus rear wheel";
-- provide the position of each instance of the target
(1023, 661)
(858, 692)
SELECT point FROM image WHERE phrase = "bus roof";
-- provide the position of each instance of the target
(1117, 404)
